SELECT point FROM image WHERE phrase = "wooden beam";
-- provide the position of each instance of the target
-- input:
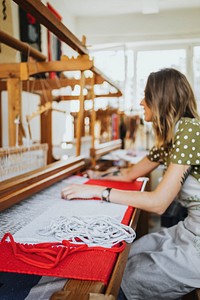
(21, 46)
(36, 85)
(67, 98)
(105, 148)
(81, 63)
(91, 96)
(9, 70)
(110, 95)
(19, 188)
(50, 21)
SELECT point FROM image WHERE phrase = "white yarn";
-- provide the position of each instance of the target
(94, 231)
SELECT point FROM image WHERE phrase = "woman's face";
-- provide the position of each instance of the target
(147, 111)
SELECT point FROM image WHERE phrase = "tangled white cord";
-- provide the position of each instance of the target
(94, 231)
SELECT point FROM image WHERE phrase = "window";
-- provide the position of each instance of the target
(150, 61)
(196, 71)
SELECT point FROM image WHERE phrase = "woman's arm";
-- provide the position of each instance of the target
(142, 168)
(156, 201)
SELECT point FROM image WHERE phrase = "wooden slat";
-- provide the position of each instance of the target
(37, 85)
(20, 181)
(21, 46)
(110, 95)
(16, 189)
(9, 70)
(105, 148)
(13, 69)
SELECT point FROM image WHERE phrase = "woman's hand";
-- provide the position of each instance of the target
(81, 191)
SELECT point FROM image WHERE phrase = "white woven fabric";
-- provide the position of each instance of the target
(67, 209)
(22, 213)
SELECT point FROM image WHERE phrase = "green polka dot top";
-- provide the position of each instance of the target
(186, 147)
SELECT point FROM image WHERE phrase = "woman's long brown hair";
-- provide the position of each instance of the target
(170, 97)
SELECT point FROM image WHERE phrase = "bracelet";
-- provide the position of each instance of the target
(105, 195)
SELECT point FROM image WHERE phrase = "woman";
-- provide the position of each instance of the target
(164, 265)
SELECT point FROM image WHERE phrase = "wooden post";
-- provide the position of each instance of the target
(80, 120)
(46, 126)
(14, 110)
(93, 118)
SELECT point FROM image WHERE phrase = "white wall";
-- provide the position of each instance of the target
(139, 27)
(129, 28)
(67, 19)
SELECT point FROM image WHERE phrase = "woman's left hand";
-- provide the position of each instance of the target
(81, 191)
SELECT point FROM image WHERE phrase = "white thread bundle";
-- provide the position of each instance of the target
(94, 231)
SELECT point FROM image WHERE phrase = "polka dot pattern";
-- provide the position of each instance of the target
(186, 147)
(187, 143)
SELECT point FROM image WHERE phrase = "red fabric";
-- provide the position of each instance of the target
(86, 265)
(134, 186)
(93, 264)
(52, 259)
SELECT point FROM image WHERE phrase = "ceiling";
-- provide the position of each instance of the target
(82, 8)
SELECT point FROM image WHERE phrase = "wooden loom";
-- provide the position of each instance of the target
(19, 188)
(37, 9)
(22, 71)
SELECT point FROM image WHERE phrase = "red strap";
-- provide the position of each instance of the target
(53, 252)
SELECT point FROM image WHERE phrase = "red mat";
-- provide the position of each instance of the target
(93, 264)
